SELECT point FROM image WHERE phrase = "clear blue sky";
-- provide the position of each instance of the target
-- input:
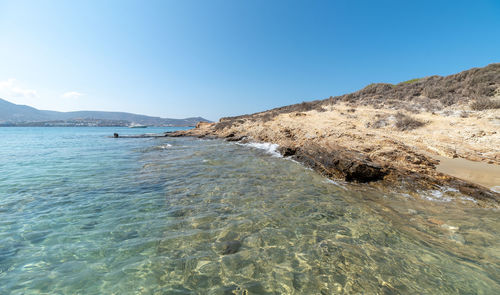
(219, 58)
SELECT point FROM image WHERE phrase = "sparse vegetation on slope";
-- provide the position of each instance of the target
(430, 94)
(410, 81)
(484, 103)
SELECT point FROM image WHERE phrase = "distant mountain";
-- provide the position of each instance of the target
(13, 114)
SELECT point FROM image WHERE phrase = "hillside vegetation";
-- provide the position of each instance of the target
(474, 89)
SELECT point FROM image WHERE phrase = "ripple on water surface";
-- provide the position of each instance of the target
(83, 213)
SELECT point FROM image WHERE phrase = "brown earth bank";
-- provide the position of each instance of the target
(391, 136)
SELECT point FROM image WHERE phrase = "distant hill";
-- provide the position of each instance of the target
(14, 114)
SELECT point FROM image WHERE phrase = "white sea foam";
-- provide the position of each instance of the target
(164, 146)
(496, 189)
(270, 148)
(436, 195)
(445, 194)
(465, 198)
(337, 183)
(406, 195)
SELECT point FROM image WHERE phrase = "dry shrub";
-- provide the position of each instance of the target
(405, 122)
(267, 116)
(484, 103)
(223, 124)
(378, 123)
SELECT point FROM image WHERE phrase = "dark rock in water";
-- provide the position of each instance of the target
(173, 134)
(36, 237)
(364, 172)
(230, 290)
(299, 281)
(340, 278)
(287, 151)
(235, 138)
(146, 135)
(231, 247)
(476, 192)
(177, 212)
(178, 290)
(89, 225)
(123, 236)
(341, 230)
(350, 165)
(255, 288)
(8, 251)
(232, 137)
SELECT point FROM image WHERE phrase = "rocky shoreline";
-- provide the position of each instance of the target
(337, 162)
(386, 135)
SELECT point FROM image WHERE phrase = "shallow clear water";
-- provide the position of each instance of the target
(81, 213)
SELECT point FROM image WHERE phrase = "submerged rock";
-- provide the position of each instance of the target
(231, 247)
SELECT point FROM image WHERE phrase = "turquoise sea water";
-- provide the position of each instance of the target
(82, 213)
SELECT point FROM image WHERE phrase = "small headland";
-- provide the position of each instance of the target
(390, 136)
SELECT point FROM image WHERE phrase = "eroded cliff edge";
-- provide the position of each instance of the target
(385, 134)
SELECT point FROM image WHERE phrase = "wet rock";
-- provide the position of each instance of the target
(89, 225)
(287, 151)
(175, 134)
(229, 290)
(254, 288)
(7, 253)
(177, 212)
(299, 281)
(178, 289)
(340, 163)
(458, 238)
(37, 237)
(123, 236)
(232, 137)
(340, 278)
(435, 221)
(364, 172)
(343, 230)
(203, 282)
(231, 247)
(478, 193)
(253, 241)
